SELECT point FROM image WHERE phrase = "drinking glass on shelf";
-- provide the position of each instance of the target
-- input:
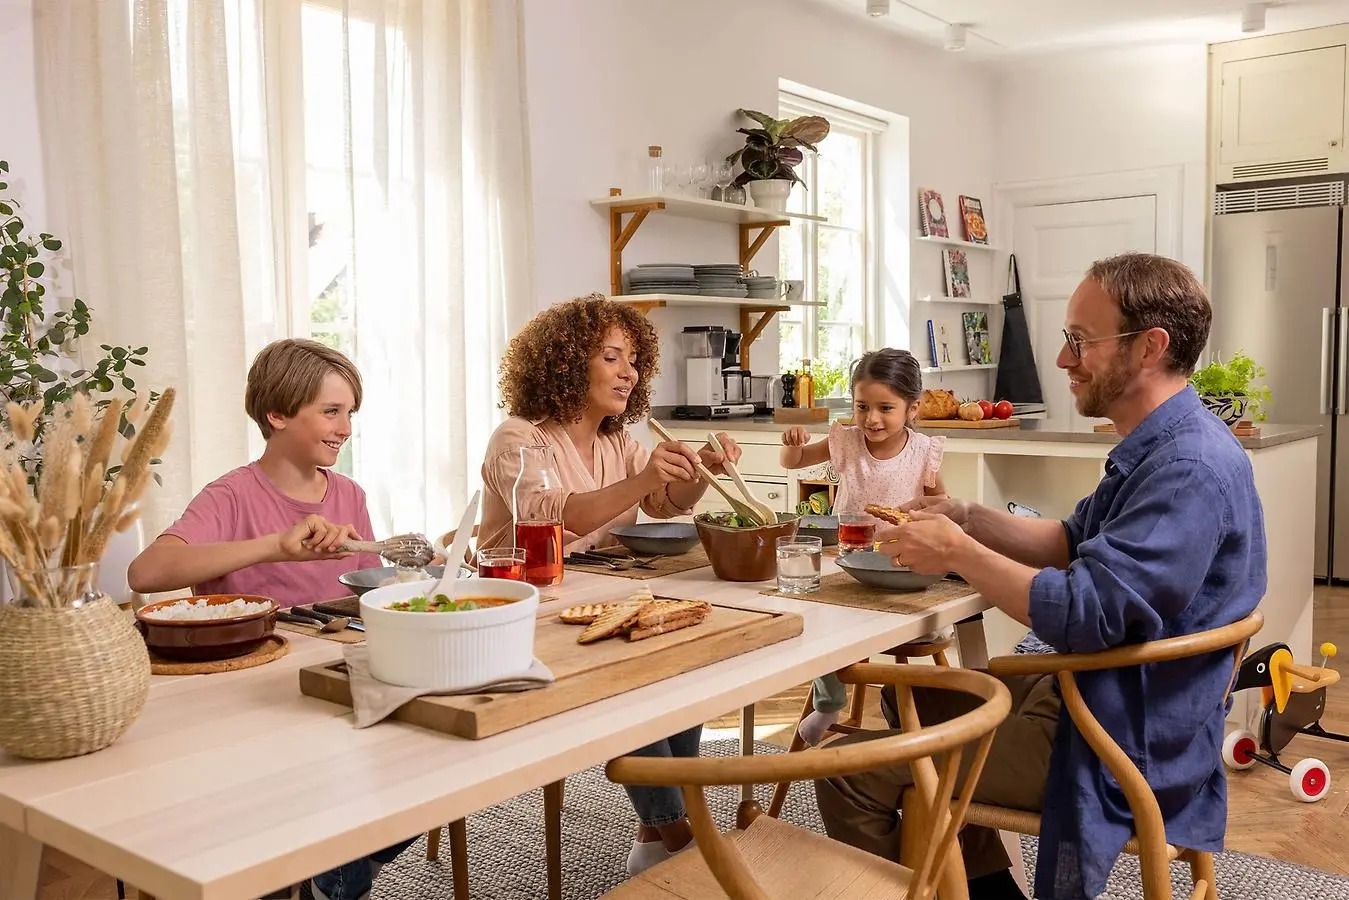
(702, 179)
(799, 564)
(502, 562)
(855, 532)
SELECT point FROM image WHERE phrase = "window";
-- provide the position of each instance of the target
(835, 258)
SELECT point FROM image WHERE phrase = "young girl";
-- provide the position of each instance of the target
(879, 459)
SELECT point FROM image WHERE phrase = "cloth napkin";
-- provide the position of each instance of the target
(374, 700)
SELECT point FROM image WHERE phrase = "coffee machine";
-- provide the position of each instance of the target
(714, 385)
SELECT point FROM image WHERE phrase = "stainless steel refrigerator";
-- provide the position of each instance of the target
(1278, 292)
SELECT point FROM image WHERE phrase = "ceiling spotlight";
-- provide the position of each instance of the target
(955, 37)
(878, 7)
(1253, 18)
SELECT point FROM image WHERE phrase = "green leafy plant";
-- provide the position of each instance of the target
(773, 150)
(1234, 378)
(40, 344)
(831, 379)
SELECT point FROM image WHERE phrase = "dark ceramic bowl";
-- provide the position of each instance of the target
(875, 569)
(362, 580)
(657, 538)
(743, 554)
(199, 640)
(823, 527)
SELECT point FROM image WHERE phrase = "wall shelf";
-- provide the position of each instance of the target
(941, 370)
(953, 242)
(756, 227)
(961, 301)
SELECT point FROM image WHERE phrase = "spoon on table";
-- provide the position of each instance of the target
(332, 624)
(766, 516)
(740, 506)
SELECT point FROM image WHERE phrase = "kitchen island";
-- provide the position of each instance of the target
(1050, 471)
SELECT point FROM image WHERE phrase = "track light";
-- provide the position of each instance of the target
(1253, 18)
(955, 37)
(878, 7)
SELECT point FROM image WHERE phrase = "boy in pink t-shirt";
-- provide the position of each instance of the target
(274, 526)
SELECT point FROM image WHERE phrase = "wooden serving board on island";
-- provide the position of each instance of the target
(584, 672)
(1013, 422)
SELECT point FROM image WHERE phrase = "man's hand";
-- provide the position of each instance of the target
(314, 537)
(929, 544)
(957, 511)
(714, 460)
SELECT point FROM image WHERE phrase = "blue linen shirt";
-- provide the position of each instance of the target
(1172, 542)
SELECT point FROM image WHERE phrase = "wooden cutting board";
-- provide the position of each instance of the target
(1013, 422)
(584, 672)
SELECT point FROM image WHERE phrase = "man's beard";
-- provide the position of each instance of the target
(1104, 390)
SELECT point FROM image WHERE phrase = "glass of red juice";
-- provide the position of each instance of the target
(502, 562)
(855, 532)
(542, 544)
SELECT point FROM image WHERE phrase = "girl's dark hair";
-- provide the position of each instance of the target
(896, 369)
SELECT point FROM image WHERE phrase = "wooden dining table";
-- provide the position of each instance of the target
(233, 785)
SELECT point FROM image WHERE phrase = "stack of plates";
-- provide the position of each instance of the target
(762, 287)
(662, 278)
(720, 280)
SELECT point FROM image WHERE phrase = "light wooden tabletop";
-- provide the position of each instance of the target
(233, 785)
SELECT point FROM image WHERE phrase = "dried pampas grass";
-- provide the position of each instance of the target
(67, 519)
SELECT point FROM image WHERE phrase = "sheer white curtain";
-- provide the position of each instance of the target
(232, 171)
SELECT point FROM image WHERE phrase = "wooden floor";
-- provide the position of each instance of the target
(1263, 817)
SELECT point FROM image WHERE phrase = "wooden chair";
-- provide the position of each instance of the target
(1149, 840)
(552, 819)
(852, 722)
(773, 858)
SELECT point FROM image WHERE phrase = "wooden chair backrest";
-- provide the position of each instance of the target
(916, 746)
(447, 540)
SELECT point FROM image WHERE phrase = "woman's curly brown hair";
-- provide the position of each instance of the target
(545, 373)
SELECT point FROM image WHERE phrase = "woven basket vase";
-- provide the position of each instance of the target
(71, 680)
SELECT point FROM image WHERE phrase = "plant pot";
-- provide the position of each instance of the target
(770, 193)
(73, 677)
(1228, 407)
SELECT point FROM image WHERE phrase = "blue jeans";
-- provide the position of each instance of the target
(354, 879)
(658, 806)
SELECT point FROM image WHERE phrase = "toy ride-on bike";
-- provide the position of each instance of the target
(1293, 700)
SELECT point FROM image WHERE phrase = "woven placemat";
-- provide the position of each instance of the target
(661, 565)
(345, 636)
(275, 647)
(841, 589)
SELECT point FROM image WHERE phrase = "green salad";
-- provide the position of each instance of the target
(731, 520)
(441, 603)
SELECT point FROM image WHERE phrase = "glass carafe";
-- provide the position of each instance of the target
(541, 539)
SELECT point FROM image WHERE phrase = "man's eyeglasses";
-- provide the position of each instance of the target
(1075, 343)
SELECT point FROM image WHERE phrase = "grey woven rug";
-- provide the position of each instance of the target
(506, 859)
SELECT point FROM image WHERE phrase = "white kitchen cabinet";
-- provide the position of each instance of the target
(1277, 105)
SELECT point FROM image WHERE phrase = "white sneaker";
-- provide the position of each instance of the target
(815, 726)
(644, 855)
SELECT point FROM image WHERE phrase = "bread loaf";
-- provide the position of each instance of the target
(937, 404)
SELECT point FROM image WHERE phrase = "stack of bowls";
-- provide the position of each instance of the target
(719, 280)
(762, 287)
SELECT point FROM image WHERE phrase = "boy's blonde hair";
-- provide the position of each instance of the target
(288, 373)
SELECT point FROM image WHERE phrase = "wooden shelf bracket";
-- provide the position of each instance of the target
(752, 238)
(620, 234)
(750, 328)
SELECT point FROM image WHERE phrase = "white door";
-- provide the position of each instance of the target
(1055, 245)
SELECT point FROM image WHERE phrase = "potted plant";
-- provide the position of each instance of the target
(1228, 389)
(771, 154)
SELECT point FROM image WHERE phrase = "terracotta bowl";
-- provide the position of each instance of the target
(198, 640)
(743, 554)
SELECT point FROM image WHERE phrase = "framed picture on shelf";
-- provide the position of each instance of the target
(972, 219)
(957, 269)
(931, 214)
(977, 347)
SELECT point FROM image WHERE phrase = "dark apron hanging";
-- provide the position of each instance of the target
(1018, 380)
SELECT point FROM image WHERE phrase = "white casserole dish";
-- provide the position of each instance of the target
(450, 650)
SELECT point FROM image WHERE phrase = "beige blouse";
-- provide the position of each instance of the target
(617, 456)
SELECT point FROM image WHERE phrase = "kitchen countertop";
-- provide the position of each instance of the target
(1031, 430)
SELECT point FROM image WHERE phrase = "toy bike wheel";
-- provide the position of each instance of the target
(1310, 780)
(1239, 749)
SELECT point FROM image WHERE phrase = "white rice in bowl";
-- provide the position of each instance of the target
(201, 610)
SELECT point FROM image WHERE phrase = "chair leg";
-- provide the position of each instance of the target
(552, 836)
(780, 790)
(433, 845)
(940, 657)
(859, 700)
(459, 858)
(1201, 870)
(121, 890)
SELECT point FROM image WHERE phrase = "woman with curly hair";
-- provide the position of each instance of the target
(573, 378)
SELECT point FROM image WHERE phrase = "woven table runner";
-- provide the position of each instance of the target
(841, 589)
(661, 565)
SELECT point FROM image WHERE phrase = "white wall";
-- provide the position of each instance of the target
(20, 142)
(1106, 112)
(608, 77)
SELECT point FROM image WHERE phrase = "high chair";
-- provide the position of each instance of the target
(1149, 840)
(771, 858)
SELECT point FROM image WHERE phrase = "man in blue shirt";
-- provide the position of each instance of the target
(1172, 542)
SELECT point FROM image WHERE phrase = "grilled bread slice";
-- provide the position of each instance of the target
(583, 614)
(888, 514)
(620, 617)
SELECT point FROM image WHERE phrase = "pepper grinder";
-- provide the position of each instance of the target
(788, 390)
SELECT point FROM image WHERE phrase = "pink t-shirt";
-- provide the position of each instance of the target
(244, 504)
(863, 479)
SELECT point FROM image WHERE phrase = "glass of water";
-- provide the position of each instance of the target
(799, 564)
